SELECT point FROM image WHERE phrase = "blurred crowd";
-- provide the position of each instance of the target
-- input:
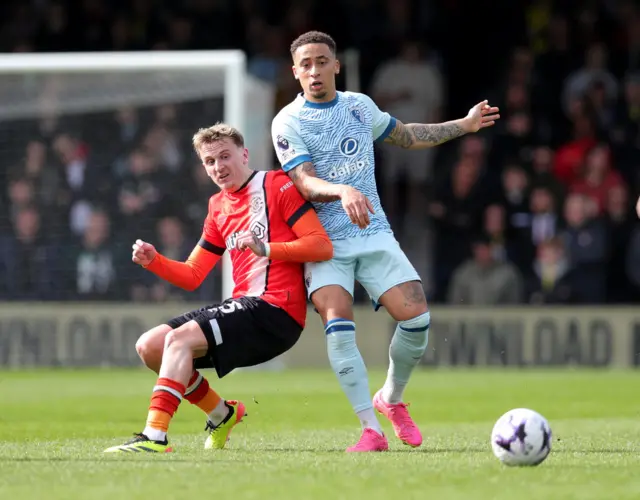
(537, 210)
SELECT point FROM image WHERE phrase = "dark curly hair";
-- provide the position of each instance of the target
(313, 37)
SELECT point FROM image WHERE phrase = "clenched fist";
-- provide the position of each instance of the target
(143, 253)
(252, 242)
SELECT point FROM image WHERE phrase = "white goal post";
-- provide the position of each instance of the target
(232, 63)
(94, 81)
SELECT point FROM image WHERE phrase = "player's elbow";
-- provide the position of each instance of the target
(325, 249)
(190, 287)
(193, 283)
(301, 184)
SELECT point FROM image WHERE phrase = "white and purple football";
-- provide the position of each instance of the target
(521, 437)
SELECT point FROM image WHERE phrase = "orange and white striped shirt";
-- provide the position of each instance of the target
(269, 206)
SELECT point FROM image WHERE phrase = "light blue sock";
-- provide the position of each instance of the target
(349, 367)
(407, 347)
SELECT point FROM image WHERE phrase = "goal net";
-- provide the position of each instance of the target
(95, 151)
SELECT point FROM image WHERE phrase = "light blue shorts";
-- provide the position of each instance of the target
(376, 261)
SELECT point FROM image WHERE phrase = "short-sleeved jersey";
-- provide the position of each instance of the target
(338, 137)
(268, 205)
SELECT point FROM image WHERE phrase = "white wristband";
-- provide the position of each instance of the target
(267, 249)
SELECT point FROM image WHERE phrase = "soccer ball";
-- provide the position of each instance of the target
(521, 437)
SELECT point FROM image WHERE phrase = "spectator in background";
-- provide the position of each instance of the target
(598, 177)
(83, 181)
(410, 88)
(632, 261)
(21, 194)
(473, 149)
(563, 104)
(551, 281)
(44, 176)
(630, 25)
(570, 155)
(141, 192)
(55, 33)
(495, 228)
(539, 14)
(602, 104)
(586, 240)
(515, 194)
(28, 264)
(542, 173)
(96, 262)
(270, 60)
(162, 142)
(625, 134)
(594, 71)
(540, 224)
(200, 189)
(552, 68)
(123, 131)
(516, 99)
(515, 134)
(516, 139)
(456, 213)
(485, 281)
(620, 223)
(180, 33)
(545, 220)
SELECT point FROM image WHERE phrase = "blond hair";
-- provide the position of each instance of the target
(215, 133)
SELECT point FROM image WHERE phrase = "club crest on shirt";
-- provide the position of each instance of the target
(258, 229)
(256, 205)
(357, 114)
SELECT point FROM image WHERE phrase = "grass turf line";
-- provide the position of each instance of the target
(55, 424)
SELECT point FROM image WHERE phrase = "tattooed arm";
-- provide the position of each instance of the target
(311, 187)
(424, 135)
(420, 136)
(355, 204)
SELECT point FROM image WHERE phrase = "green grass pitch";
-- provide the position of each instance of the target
(55, 424)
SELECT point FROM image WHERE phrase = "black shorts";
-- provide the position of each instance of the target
(241, 332)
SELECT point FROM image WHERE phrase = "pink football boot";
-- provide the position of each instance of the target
(370, 441)
(406, 430)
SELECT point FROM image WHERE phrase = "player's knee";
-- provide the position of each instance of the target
(174, 340)
(187, 337)
(149, 349)
(405, 301)
(333, 302)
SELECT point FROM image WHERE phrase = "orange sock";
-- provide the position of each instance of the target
(200, 394)
(165, 400)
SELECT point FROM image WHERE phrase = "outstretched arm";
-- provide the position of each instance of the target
(187, 275)
(425, 135)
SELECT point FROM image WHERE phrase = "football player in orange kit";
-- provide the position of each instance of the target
(269, 230)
